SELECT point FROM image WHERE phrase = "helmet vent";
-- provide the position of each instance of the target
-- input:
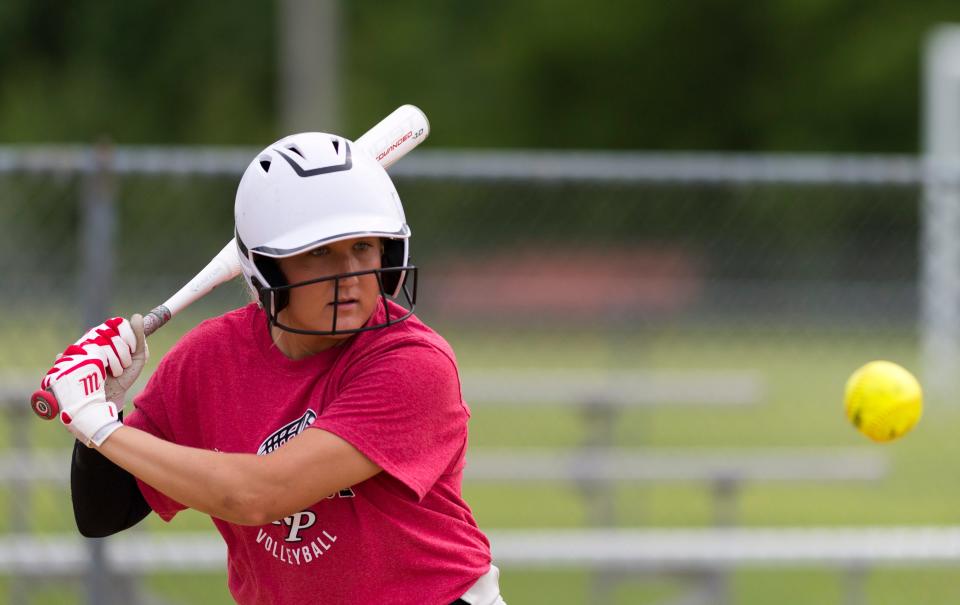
(265, 162)
(296, 150)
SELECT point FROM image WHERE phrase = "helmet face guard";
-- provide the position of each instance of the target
(274, 299)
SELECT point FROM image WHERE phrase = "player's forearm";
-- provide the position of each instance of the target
(219, 484)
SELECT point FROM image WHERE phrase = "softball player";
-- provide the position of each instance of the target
(322, 427)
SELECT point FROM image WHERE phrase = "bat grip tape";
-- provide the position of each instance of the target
(153, 320)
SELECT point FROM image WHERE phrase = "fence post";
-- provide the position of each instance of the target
(940, 215)
(600, 419)
(854, 578)
(21, 500)
(98, 226)
(311, 37)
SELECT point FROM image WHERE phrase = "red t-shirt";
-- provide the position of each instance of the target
(402, 536)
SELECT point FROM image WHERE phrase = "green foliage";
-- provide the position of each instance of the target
(144, 71)
(834, 75)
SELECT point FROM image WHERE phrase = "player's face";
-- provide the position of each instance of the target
(311, 307)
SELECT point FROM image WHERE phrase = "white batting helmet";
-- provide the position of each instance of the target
(308, 190)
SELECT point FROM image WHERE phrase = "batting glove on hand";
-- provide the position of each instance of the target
(116, 387)
(118, 341)
(77, 379)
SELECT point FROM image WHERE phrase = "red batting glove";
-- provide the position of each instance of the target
(77, 379)
(118, 341)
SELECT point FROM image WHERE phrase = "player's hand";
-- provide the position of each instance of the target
(116, 387)
(118, 341)
(78, 377)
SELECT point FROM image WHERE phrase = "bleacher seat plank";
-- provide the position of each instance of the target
(673, 464)
(695, 549)
(579, 387)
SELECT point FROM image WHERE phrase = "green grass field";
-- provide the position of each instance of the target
(805, 371)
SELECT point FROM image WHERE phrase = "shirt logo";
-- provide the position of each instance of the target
(306, 540)
(296, 522)
(286, 433)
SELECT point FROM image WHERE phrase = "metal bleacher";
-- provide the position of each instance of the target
(674, 551)
(595, 465)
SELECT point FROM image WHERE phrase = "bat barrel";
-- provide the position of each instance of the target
(395, 135)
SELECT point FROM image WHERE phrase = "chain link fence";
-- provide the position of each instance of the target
(794, 269)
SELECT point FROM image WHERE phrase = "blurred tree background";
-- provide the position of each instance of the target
(824, 75)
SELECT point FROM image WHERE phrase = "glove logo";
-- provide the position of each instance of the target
(91, 383)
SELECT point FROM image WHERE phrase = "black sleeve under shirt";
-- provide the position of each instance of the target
(106, 498)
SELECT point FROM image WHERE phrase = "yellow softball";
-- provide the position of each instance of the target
(883, 400)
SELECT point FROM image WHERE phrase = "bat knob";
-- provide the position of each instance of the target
(44, 405)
